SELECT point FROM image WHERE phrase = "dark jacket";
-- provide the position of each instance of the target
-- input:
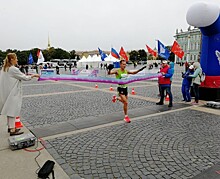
(186, 79)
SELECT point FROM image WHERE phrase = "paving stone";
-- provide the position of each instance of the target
(175, 144)
(160, 167)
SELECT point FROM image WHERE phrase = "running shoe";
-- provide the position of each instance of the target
(127, 119)
(114, 98)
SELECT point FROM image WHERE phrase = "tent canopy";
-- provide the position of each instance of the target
(95, 61)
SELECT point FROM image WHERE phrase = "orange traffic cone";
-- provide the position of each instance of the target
(167, 98)
(133, 92)
(96, 86)
(111, 89)
(18, 123)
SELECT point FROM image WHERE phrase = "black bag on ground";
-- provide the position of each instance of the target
(47, 168)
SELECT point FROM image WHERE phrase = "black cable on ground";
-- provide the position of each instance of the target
(36, 149)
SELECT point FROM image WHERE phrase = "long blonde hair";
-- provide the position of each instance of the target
(7, 61)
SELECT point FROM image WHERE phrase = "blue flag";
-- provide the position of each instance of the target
(30, 59)
(103, 55)
(163, 51)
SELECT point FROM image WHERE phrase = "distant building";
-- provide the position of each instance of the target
(91, 53)
(190, 42)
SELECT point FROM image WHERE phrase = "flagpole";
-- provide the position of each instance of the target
(157, 49)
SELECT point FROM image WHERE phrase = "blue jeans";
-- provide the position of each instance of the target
(186, 93)
(168, 90)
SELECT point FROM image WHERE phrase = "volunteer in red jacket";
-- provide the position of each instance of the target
(165, 83)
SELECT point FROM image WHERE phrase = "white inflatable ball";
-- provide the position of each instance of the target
(202, 14)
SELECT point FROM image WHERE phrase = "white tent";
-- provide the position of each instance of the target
(110, 59)
(95, 61)
(91, 61)
(94, 58)
(82, 59)
(81, 62)
(89, 58)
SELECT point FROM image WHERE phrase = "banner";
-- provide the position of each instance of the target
(123, 54)
(152, 52)
(40, 57)
(176, 49)
(163, 51)
(30, 59)
(102, 54)
(114, 53)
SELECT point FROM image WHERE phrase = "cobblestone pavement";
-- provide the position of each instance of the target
(49, 110)
(170, 143)
(69, 101)
(174, 145)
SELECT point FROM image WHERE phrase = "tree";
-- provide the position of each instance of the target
(2, 56)
(60, 54)
(133, 56)
(46, 54)
(77, 58)
(22, 57)
(150, 57)
(72, 54)
(142, 55)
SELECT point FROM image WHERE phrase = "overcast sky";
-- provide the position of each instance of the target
(89, 24)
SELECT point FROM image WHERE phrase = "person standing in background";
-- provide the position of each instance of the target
(171, 71)
(11, 91)
(196, 81)
(165, 84)
(186, 84)
(70, 67)
(57, 70)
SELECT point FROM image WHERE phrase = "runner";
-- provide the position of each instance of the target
(122, 73)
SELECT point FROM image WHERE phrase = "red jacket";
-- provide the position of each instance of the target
(162, 80)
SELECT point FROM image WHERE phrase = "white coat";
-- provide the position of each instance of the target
(11, 91)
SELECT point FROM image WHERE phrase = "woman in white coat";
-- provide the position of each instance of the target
(11, 91)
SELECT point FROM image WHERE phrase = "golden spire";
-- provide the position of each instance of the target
(48, 45)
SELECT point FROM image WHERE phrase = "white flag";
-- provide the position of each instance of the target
(40, 57)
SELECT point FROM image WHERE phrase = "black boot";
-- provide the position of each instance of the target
(159, 103)
(170, 105)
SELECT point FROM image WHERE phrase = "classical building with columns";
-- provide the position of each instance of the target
(190, 42)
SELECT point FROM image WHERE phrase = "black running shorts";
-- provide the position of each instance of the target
(123, 91)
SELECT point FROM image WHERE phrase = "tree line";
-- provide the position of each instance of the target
(57, 53)
(52, 53)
